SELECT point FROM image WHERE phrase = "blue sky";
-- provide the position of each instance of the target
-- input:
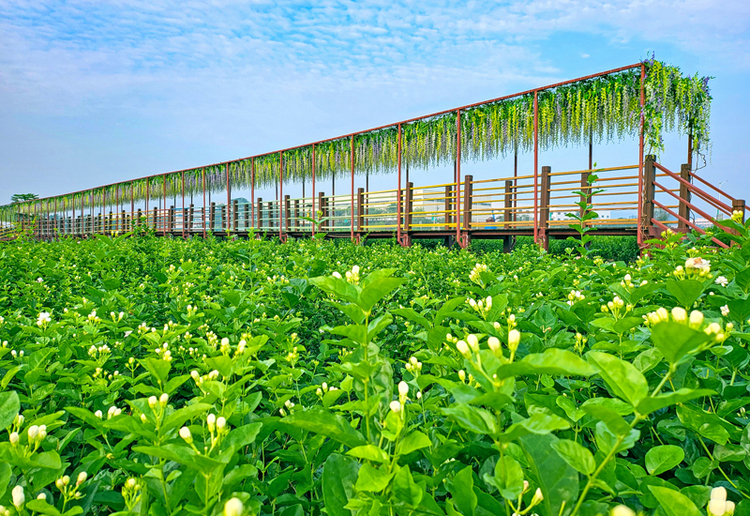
(94, 92)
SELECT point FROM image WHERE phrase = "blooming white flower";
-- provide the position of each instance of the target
(721, 280)
(696, 318)
(622, 510)
(233, 507)
(473, 342)
(43, 319)
(725, 310)
(514, 338)
(403, 388)
(463, 348)
(18, 497)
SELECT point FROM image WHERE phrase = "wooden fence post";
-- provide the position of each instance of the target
(448, 206)
(507, 215)
(684, 210)
(468, 201)
(323, 209)
(360, 209)
(649, 174)
(260, 213)
(408, 207)
(296, 226)
(544, 207)
(211, 216)
(287, 213)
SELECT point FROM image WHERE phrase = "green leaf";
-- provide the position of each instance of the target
(180, 416)
(9, 408)
(323, 422)
(508, 478)
(462, 491)
(674, 503)
(539, 423)
(686, 291)
(622, 378)
(474, 419)
(676, 340)
(552, 361)
(376, 286)
(242, 436)
(369, 452)
(5, 473)
(405, 489)
(556, 478)
(652, 404)
(158, 368)
(372, 479)
(578, 457)
(414, 441)
(338, 477)
(663, 458)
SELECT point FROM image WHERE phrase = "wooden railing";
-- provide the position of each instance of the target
(489, 208)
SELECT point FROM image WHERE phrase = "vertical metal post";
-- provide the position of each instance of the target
(591, 151)
(148, 188)
(312, 215)
(459, 240)
(398, 191)
(641, 222)
(536, 165)
(281, 189)
(164, 207)
(515, 185)
(229, 200)
(117, 202)
(351, 159)
(182, 219)
(252, 188)
(203, 185)
(690, 149)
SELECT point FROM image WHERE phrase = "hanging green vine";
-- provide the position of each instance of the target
(600, 109)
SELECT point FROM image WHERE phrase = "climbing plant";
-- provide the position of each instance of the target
(599, 109)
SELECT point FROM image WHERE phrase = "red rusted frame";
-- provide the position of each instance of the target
(229, 201)
(640, 159)
(203, 183)
(691, 206)
(398, 191)
(351, 159)
(281, 193)
(694, 189)
(313, 214)
(689, 224)
(536, 166)
(490, 101)
(459, 240)
(252, 193)
(182, 219)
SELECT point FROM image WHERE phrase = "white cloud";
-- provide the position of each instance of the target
(237, 74)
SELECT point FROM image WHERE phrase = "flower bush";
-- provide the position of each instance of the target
(165, 377)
